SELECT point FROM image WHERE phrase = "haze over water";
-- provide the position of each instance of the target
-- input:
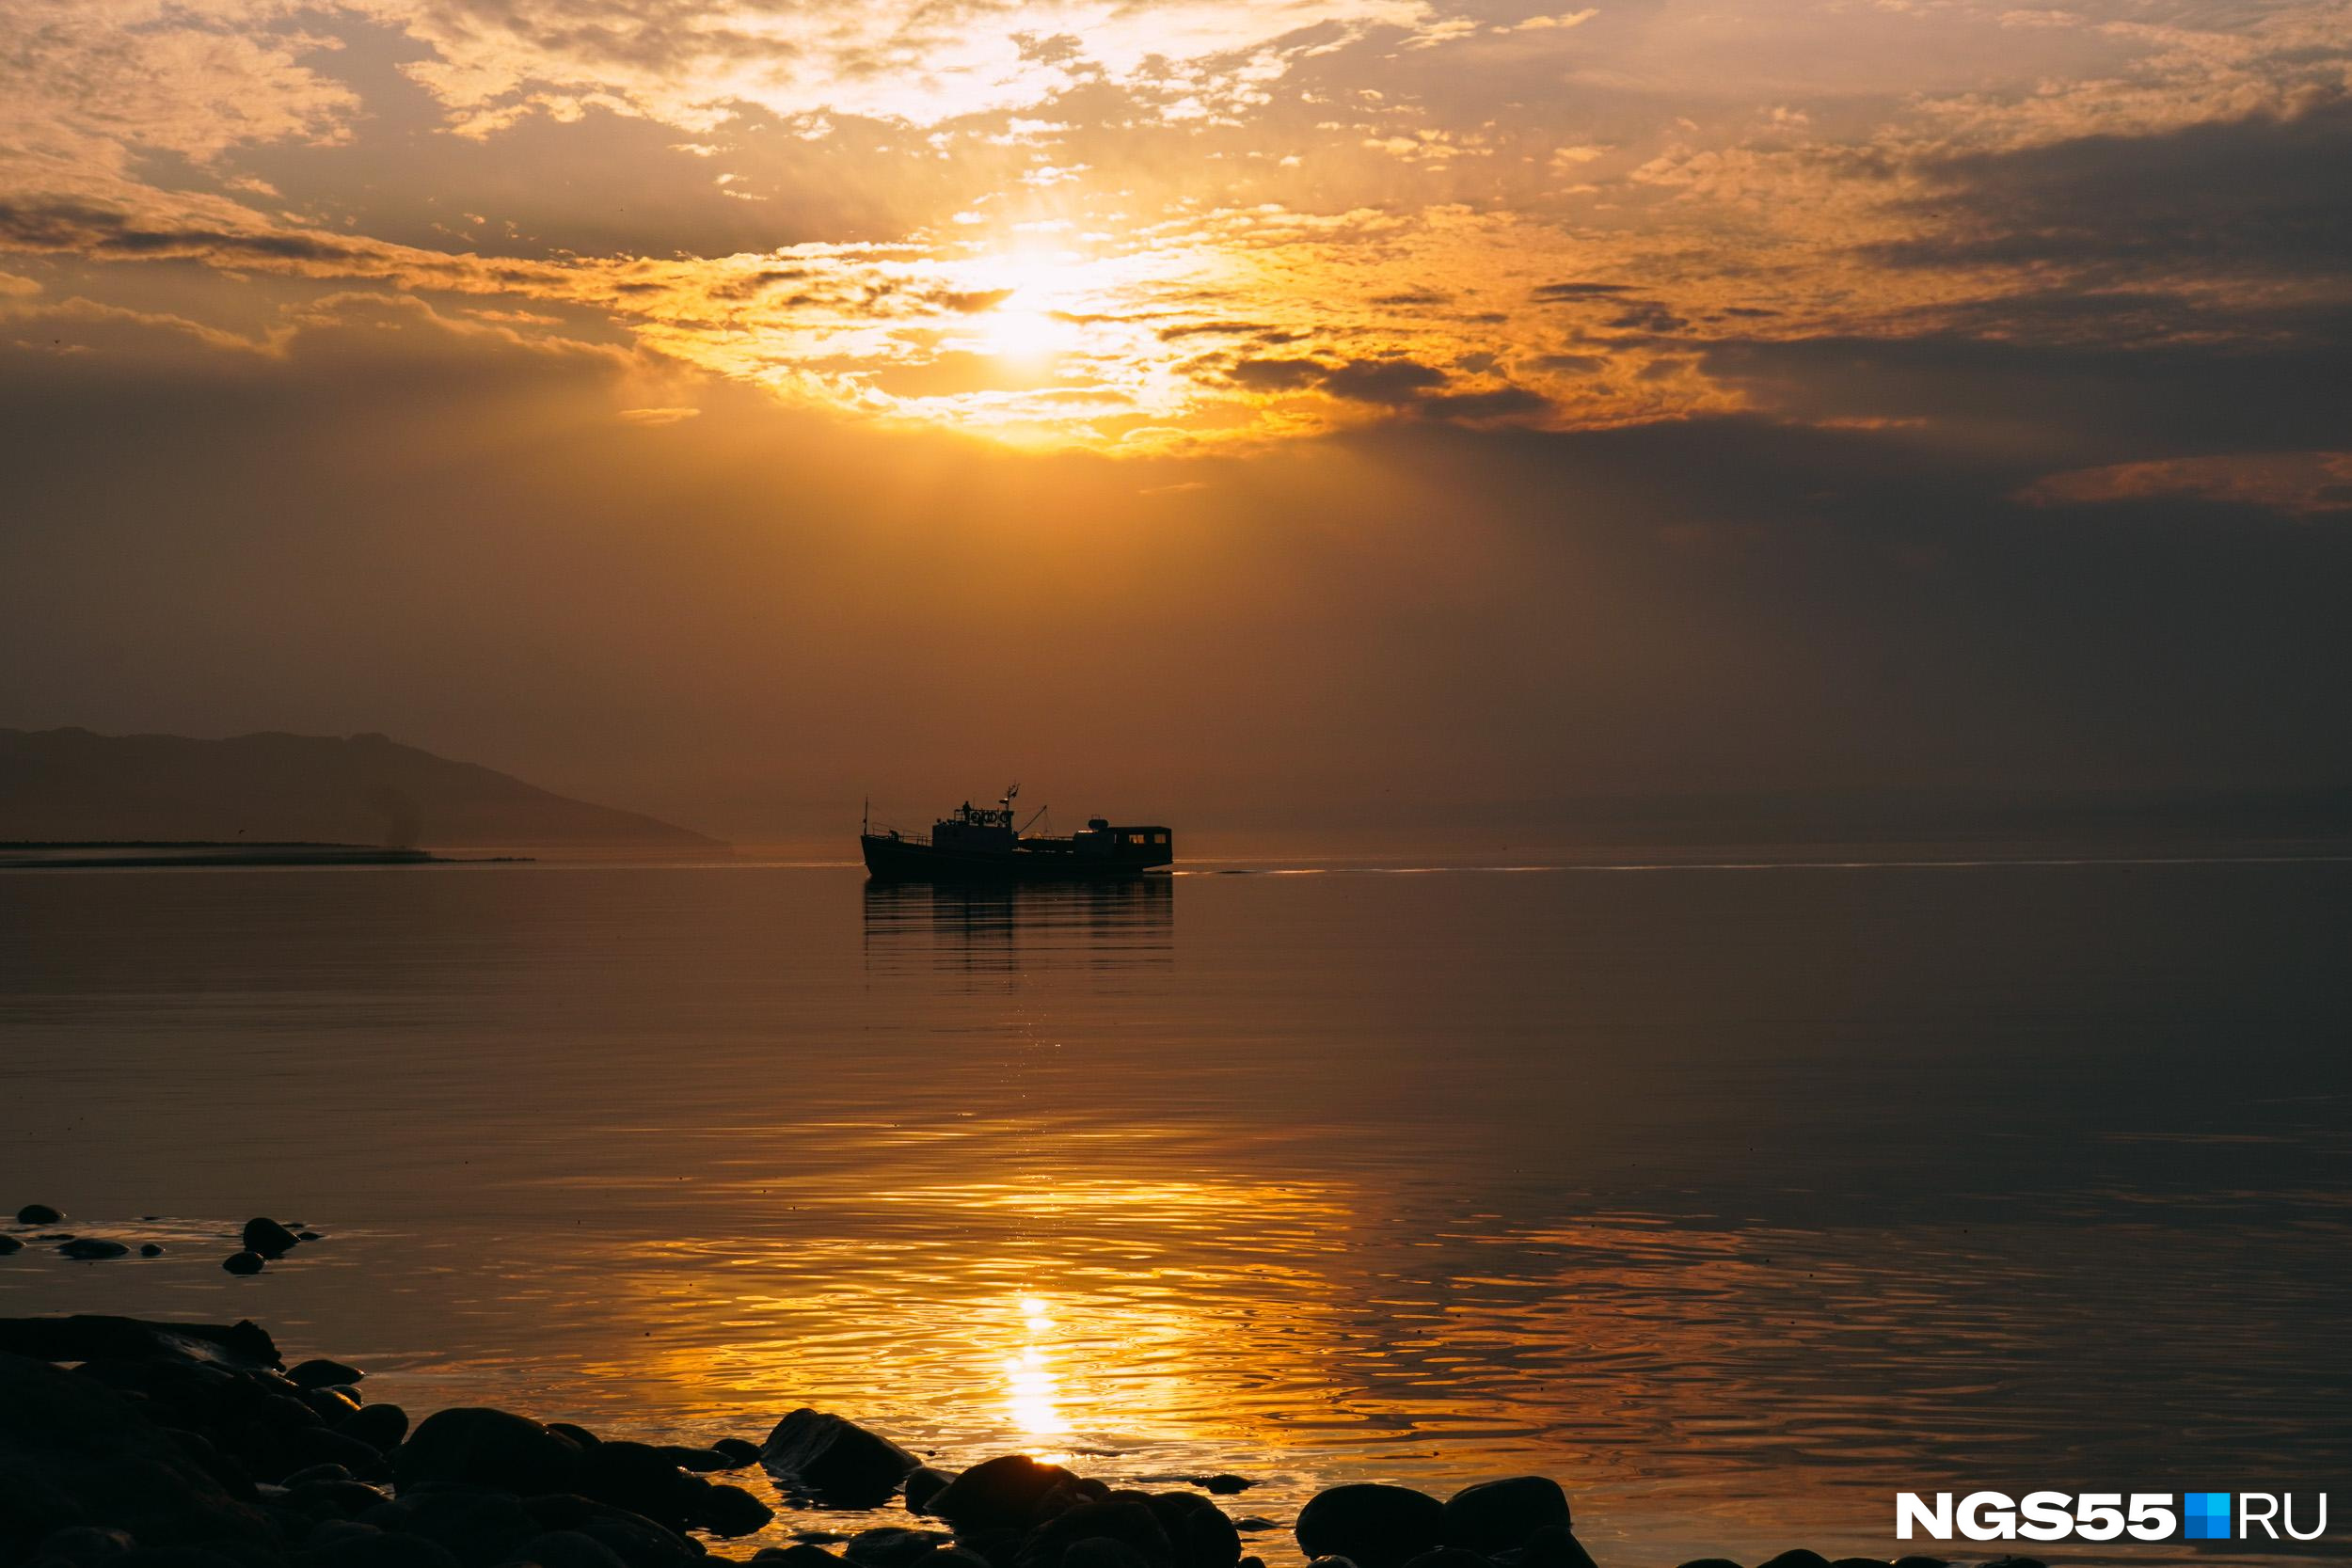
(1735, 1198)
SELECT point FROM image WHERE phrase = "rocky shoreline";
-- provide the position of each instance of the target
(128, 1443)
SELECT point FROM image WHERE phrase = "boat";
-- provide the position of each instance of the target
(980, 844)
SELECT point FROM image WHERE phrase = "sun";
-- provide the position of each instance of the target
(1036, 319)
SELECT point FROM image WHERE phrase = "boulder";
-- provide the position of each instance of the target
(568, 1548)
(268, 1238)
(319, 1372)
(700, 1461)
(890, 1547)
(1125, 1519)
(835, 1461)
(798, 1555)
(243, 1263)
(9, 1244)
(1203, 1536)
(1711, 1562)
(355, 1546)
(1796, 1558)
(736, 1452)
(38, 1214)
(923, 1486)
(1498, 1515)
(473, 1446)
(1376, 1526)
(151, 1249)
(1005, 1493)
(379, 1426)
(84, 1545)
(1554, 1546)
(1918, 1561)
(1100, 1551)
(1452, 1557)
(636, 1540)
(91, 1337)
(640, 1478)
(729, 1510)
(475, 1525)
(89, 1250)
(75, 1452)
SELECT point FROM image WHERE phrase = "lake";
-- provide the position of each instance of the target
(1735, 1196)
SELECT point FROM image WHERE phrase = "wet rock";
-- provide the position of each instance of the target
(736, 1452)
(728, 1511)
(1796, 1558)
(957, 1555)
(798, 1555)
(177, 1557)
(1711, 1562)
(9, 1244)
(2012, 1560)
(1205, 1537)
(302, 1235)
(636, 1540)
(1100, 1551)
(1498, 1515)
(328, 1404)
(890, 1547)
(243, 1263)
(1126, 1519)
(73, 1451)
(820, 1537)
(1332, 1562)
(38, 1214)
(1452, 1557)
(477, 1526)
(1859, 1563)
(578, 1435)
(1554, 1546)
(319, 1372)
(1374, 1524)
(338, 1500)
(1916, 1561)
(835, 1461)
(379, 1426)
(640, 1478)
(88, 1250)
(268, 1238)
(84, 1545)
(566, 1549)
(94, 1337)
(473, 1446)
(351, 1546)
(151, 1249)
(700, 1461)
(923, 1486)
(1223, 1484)
(316, 1472)
(1005, 1493)
(1251, 1524)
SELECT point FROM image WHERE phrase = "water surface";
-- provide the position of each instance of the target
(1737, 1198)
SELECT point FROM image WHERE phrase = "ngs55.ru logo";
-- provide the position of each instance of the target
(2113, 1516)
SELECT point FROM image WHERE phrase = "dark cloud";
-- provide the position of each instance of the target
(107, 233)
(1553, 293)
(1392, 383)
(2268, 194)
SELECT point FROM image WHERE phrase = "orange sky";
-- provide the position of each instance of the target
(1476, 401)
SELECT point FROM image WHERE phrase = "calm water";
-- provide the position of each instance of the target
(1735, 1199)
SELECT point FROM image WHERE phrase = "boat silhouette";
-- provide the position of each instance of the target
(980, 844)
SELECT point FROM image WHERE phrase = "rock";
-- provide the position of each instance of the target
(1252, 1524)
(175, 1556)
(379, 1426)
(568, 1548)
(640, 1478)
(9, 1244)
(307, 1236)
(1711, 1562)
(1005, 1493)
(835, 1461)
(316, 1472)
(2011, 1560)
(151, 1249)
(736, 1452)
(319, 1372)
(728, 1511)
(346, 1545)
(268, 1238)
(88, 1250)
(700, 1461)
(85, 1546)
(336, 1499)
(1858, 1563)
(954, 1557)
(635, 1539)
(472, 1446)
(923, 1486)
(1376, 1526)
(798, 1555)
(1497, 1515)
(92, 1337)
(1223, 1484)
(1124, 1520)
(1796, 1558)
(890, 1547)
(1452, 1557)
(477, 1526)
(73, 1451)
(38, 1214)
(1554, 1546)
(330, 1405)
(1917, 1561)
(243, 1263)
(1100, 1551)
(579, 1434)
(1203, 1536)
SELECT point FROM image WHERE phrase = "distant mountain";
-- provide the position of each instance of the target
(73, 786)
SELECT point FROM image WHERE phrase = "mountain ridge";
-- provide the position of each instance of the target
(75, 784)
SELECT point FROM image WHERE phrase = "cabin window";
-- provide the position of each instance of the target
(1159, 838)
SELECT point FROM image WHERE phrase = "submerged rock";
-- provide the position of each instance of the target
(88, 1250)
(151, 1249)
(891, 1547)
(1498, 1515)
(268, 1238)
(1375, 1526)
(1223, 1484)
(1005, 1493)
(923, 1486)
(736, 1452)
(243, 1263)
(9, 1244)
(38, 1214)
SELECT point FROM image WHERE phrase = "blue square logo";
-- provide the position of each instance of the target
(2205, 1516)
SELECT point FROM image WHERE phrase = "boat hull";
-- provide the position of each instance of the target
(900, 859)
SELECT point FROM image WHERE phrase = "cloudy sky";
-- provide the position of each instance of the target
(727, 408)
